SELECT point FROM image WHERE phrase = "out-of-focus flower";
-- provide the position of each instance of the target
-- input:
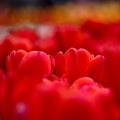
(99, 34)
(79, 63)
(55, 100)
(69, 36)
(87, 100)
(24, 32)
(47, 40)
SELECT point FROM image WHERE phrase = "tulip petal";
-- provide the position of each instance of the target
(70, 60)
(60, 64)
(36, 64)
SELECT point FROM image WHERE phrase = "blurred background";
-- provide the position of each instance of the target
(57, 11)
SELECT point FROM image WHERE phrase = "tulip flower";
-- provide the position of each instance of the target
(35, 64)
(79, 63)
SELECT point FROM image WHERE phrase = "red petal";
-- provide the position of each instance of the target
(14, 59)
(96, 70)
(83, 59)
(70, 61)
(36, 64)
(60, 64)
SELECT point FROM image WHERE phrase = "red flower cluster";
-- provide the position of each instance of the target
(33, 91)
(37, 82)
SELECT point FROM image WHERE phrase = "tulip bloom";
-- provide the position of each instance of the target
(35, 64)
(79, 63)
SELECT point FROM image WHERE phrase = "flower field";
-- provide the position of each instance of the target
(61, 71)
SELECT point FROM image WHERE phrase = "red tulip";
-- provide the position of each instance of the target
(79, 63)
(35, 64)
